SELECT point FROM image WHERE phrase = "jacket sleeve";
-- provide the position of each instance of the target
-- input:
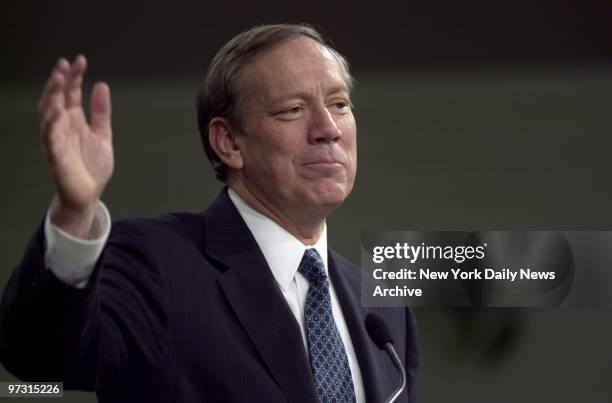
(118, 323)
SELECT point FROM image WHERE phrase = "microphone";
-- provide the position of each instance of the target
(379, 333)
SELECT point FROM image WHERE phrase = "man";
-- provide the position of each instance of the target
(241, 303)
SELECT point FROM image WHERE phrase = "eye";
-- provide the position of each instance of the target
(341, 105)
(290, 113)
(293, 110)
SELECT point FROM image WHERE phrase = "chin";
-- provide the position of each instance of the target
(330, 193)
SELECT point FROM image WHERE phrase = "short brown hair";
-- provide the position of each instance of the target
(220, 93)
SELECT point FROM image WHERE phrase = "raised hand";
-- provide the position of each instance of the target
(80, 154)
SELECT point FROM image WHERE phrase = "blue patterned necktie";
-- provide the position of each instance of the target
(328, 360)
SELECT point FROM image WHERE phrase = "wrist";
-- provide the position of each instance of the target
(76, 221)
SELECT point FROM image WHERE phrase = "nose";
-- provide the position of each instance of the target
(323, 127)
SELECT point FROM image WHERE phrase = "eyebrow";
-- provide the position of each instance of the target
(300, 94)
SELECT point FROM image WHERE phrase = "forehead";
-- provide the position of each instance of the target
(300, 64)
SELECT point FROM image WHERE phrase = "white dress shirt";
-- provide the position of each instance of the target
(284, 252)
(73, 259)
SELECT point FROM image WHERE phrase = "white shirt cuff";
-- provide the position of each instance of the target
(73, 259)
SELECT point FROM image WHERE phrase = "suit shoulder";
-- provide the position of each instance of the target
(351, 272)
(339, 259)
(188, 226)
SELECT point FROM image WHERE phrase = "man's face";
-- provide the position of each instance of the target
(299, 147)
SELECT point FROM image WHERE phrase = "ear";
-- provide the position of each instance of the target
(222, 137)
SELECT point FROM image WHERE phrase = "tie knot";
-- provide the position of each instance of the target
(312, 266)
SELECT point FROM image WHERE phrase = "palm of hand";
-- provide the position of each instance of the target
(80, 155)
(83, 157)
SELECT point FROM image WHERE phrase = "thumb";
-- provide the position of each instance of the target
(101, 109)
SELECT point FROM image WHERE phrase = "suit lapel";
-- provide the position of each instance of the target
(346, 282)
(254, 296)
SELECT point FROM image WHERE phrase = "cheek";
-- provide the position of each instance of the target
(284, 141)
(348, 127)
(349, 139)
(349, 144)
(273, 155)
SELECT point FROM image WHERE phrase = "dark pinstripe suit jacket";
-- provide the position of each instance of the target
(183, 308)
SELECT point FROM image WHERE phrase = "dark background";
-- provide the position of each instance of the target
(471, 115)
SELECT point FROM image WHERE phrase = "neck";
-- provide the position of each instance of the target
(304, 224)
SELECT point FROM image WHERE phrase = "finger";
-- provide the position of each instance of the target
(53, 94)
(50, 137)
(73, 91)
(53, 99)
(101, 109)
(49, 119)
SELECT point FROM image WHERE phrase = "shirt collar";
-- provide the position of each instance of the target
(282, 251)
